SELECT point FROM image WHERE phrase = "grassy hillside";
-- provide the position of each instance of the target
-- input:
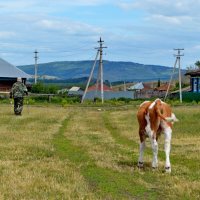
(113, 71)
(56, 153)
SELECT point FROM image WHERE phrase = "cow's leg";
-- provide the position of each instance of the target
(154, 145)
(142, 148)
(140, 160)
(168, 134)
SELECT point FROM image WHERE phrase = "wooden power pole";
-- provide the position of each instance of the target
(178, 60)
(90, 77)
(36, 66)
(101, 67)
(100, 71)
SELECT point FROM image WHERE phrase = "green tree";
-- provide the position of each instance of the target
(190, 68)
(46, 89)
(37, 88)
(158, 84)
(197, 64)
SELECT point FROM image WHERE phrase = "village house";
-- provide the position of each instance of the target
(9, 74)
(194, 80)
(142, 90)
(161, 90)
(75, 91)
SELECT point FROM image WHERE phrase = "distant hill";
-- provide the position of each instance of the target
(113, 70)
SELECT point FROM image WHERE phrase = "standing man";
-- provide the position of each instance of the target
(17, 92)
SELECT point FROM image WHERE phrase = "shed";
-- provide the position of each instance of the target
(75, 91)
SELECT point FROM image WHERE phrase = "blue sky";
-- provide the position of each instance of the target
(133, 30)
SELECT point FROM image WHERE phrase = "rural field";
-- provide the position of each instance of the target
(83, 152)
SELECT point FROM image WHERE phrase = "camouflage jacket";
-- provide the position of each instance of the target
(18, 90)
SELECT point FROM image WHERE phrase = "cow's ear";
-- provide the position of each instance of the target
(158, 102)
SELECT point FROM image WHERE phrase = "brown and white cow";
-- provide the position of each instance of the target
(153, 118)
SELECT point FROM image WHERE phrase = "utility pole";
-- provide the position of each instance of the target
(124, 86)
(36, 66)
(101, 67)
(100, 72)
(178, 59)
(90, 77)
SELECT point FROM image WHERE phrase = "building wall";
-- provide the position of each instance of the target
(6, 83)
(110, 94)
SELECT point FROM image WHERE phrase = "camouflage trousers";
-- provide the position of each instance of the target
(18, 105)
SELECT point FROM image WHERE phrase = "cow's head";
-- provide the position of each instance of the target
(159, 108)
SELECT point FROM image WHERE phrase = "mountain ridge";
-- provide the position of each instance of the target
(113, 70)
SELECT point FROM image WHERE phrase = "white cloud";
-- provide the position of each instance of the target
(9, 5)
(68, 27)
(6, 34)
(173, 20)
(24, 4)
(196, 47)
(163, 7)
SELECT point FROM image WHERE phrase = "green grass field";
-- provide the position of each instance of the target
(85, 153)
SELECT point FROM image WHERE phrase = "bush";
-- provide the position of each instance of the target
(44, 89)
(37, 88)
(126, 100)
(56, 99)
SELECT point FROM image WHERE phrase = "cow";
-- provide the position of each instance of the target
(154, 118)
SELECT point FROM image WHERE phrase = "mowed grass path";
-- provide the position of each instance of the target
(82, 153)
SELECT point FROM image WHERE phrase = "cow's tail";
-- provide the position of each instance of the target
(172, 118)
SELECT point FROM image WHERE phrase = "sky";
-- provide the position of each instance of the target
(68, 30)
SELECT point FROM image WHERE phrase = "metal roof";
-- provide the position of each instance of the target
(137, 86)
(10, 71)
(74, 89)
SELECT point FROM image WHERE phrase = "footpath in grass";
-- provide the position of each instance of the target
(100, 146)
(105, 183)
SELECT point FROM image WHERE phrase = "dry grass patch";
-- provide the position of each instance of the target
(29, 167)
(82, 153)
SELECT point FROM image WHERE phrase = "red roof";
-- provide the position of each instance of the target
(147, 86)
(163, 87)
(105, 88)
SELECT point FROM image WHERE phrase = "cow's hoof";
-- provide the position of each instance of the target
(140, 164)
(168, 169)
(154, 168)
(154, 165)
